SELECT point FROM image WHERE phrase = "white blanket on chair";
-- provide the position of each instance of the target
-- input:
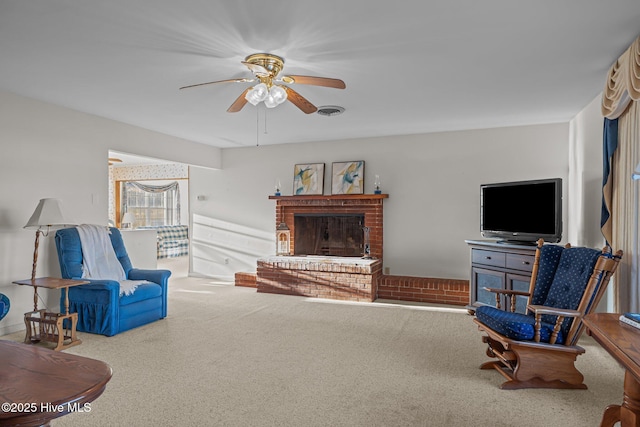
(99, 260)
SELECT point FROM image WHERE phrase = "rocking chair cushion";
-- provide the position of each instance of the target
(516, 326)
(573, 272)
(572, 275)
(549, 260)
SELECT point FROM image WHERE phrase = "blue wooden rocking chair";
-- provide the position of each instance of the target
(537, 349)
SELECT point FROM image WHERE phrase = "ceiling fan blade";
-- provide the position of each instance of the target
(257, 69)
(300, 101)
(239, 102)
(221, 81)
(315, 81)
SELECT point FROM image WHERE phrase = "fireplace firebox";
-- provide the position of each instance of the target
(329, 235)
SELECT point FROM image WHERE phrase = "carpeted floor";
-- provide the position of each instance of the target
(228, 356)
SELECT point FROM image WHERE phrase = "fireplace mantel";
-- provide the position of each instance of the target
(332, 197)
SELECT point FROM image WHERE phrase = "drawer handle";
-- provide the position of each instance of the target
(525, 262)
(487, 257)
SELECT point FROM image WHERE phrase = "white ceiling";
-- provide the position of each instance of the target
(411, 66)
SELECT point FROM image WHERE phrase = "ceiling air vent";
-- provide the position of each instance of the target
(330, 110)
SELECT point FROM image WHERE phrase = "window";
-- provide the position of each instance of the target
(151, 205)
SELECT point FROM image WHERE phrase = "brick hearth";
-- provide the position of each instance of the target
(344, 278)
(402, 288)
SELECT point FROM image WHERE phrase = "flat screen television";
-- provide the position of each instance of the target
(522, 211)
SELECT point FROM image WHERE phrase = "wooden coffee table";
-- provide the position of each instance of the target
(38, 384)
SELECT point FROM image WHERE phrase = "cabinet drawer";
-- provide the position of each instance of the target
(479, 256)
(520, 262)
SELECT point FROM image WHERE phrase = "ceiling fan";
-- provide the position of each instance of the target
(266, 69)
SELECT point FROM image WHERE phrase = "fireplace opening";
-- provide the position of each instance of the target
(329, 235)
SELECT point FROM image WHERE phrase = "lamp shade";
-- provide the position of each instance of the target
(48, 213)
(128, 218)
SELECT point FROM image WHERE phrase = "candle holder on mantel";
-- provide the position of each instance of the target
(367, 245)
(376, 185)
(277, 192)
(283, 239)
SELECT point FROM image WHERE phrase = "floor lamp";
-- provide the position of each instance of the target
(47, 216)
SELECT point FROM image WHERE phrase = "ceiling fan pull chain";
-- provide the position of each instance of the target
(265, 121)
(257, 127)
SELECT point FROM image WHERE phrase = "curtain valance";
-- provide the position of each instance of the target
(155, 188)
(623, 82)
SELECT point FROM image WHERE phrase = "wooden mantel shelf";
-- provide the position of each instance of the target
(333, 197)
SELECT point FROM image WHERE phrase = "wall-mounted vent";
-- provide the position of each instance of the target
(330, 110)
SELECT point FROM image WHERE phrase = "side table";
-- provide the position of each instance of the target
(50, 327)
(39, 385)
(620, 341)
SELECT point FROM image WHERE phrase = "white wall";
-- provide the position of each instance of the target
(50, 151)
(585, 164)
(432, 180)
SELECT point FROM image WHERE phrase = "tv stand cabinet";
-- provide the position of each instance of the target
(499, 265)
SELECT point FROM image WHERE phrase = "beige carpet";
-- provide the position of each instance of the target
(228, 356)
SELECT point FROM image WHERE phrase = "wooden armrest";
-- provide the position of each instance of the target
(564, 312)
(561, 313)
(506, 291)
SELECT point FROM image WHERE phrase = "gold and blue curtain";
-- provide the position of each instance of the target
(621, 154)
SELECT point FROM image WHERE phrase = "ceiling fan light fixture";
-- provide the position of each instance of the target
(257, 94)
(278, 94)
(270, 102)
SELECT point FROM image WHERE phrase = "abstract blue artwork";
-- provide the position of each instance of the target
(347, 177)
(308, 179)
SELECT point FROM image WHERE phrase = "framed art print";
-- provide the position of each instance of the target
(347, 177)
(308, 178)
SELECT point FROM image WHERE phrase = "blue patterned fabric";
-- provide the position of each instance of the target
(571, 278)
(173, 240)
(4, 305)
(100, 308)
(549, 259)
(563, 274)
(516, 326)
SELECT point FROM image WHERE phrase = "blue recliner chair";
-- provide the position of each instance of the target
(100, 308)
(538, 349)
(4, 305)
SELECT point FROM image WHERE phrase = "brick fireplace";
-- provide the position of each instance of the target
(369, 205)
(312, 274)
